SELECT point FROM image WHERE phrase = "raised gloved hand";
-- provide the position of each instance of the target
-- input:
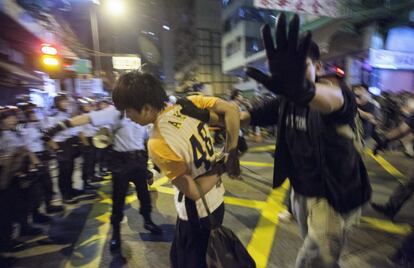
(233, 164)
(189, 109)
(287, 62)
(49, 133)
(382, 144)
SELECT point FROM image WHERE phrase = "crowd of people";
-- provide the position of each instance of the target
(321, 128)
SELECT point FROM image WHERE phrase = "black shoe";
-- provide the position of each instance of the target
(115, 243)
(30, 231)
(152, 227)
(386, 211)
(53, 209)
(77, 192)
(40, 218)
(7, 261)
(69, 199)
(96, 179)
(88, 186)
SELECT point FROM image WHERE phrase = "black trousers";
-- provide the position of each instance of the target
(88, 165)
(66, 163)
(189, 247)
(407, 247)
(128, 167)
(44, 179)
(401, 194)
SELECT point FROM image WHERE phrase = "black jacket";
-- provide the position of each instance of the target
(343, 177)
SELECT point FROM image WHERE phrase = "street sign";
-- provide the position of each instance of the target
(126, 62)
(329, 8)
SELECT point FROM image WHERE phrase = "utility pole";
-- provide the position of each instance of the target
(95, 40)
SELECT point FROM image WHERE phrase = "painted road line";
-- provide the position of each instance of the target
(256, 164)
(229, 200)
(261, 243)
(387, 226)
(92, 238)
(387, 166)
(262, 149)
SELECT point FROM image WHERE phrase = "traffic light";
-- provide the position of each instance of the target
(50, 61)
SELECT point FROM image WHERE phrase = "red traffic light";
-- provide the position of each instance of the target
(48, 49)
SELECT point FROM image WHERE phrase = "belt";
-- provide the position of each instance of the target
(130, 154)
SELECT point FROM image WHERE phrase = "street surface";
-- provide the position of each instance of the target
(79, 237)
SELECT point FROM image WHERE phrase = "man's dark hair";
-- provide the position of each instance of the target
(234, 94)
(314, 53)
(135, 89)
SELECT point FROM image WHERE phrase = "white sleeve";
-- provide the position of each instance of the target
(107, 116)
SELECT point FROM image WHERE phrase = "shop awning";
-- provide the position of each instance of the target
(20, 73)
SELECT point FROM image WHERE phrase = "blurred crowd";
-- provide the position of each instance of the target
(36, 175)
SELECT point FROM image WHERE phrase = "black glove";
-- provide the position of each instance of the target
(189, 108)
(382, 144)
(49, 133)
(287, 62)
(233, 164)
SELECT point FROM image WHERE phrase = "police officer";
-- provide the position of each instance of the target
(88, 151)
(15, 177)
(64, 144)
(128, 163)
(33, 136)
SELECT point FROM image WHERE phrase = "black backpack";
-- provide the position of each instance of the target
(224, 249)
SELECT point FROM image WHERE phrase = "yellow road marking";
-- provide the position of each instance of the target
(229, 200)
(387, 226)
(387, 166)
(263, 236)
(259, 149)
(93, 245)
(256, 164)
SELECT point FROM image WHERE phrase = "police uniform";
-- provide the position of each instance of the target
(88, 153)
(128, 160)
(180, 144)
(16, 192)
(67, 141)
(33, 136)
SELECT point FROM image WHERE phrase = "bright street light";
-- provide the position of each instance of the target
(115, 7)
(166, 27)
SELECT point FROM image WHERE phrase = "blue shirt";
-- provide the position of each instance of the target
(128, 136)
(65, 134)
(88, 130)
(33, 137)
(10, 140)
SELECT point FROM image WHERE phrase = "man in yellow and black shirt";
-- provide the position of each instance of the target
(183, 149)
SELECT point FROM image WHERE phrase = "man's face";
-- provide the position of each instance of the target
(63, 104)
(9, 122)
(146, 116)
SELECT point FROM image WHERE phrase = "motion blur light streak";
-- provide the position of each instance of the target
(115, 7)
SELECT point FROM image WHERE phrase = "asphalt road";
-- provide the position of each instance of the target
(79, 237)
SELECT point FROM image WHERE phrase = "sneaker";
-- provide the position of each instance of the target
(152, 227)
(41, 218)
(384, 210)
(53, 209)
(285, 216)
(29, 230)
